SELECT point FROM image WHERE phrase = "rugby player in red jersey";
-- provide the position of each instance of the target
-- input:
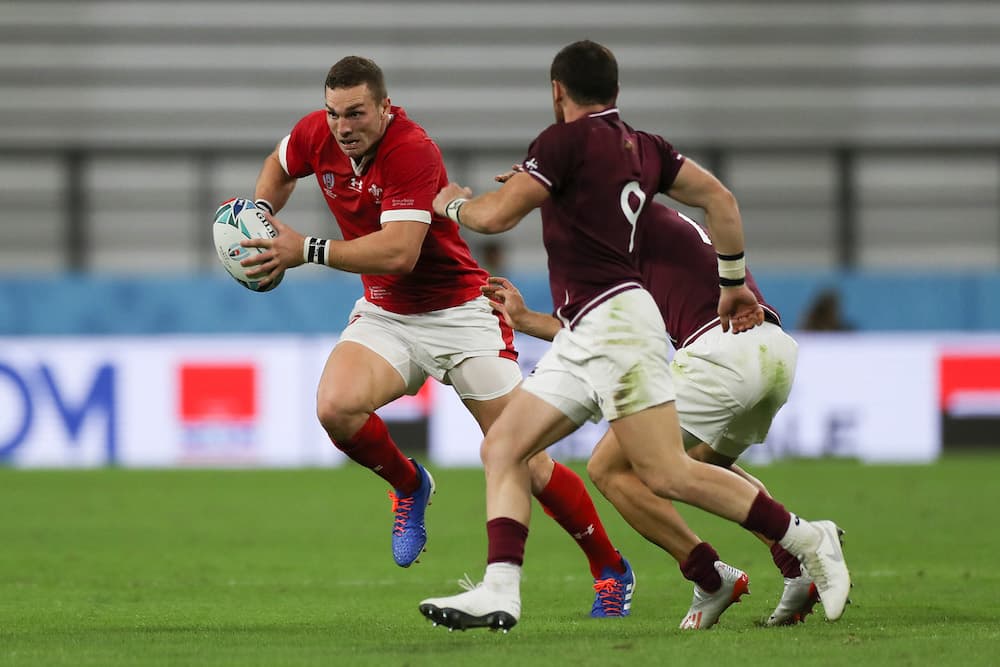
(422, 314)
(729, 387)
(592, 176)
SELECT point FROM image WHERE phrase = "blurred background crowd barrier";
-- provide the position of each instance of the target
(862, 140)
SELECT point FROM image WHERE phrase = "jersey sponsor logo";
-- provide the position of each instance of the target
(328, 183)
(356, 184)
(378, 293)
(531, 165)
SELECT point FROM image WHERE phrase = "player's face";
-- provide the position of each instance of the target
(356, 121)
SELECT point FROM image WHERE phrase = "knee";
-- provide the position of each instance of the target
(338, 417)
(497, 451)
(599, 472)
(607, 466)
(489, 452)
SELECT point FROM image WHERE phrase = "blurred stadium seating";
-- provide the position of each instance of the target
(862, 139)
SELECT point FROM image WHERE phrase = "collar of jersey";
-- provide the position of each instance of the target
(606, 112)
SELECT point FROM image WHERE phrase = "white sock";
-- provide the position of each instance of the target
(503, 577)
(800, 537)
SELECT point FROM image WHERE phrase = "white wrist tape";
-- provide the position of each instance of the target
(453, 207)
(264, 204)
(315, 250)
(732, 270)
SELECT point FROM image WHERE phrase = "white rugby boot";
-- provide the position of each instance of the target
(706, 608)
(489, 604)
(817, 546)
(797, 601)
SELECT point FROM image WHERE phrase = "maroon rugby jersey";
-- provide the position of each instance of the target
(600, 173)
(680, 269)
(398, 184)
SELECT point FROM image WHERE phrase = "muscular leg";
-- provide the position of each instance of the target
(563, 496)
(653, 517)
(651, 441)
(667, 470)
(526, 427)
(704, 452)
(354, 383)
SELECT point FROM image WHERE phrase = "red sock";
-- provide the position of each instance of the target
(566, 500)
(767, 517)
(506, 541)
(699, 567)
(373, 448)
(786, 562)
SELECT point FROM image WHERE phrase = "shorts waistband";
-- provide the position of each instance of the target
(708, 326)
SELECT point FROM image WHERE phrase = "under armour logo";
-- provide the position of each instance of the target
(531, 165)
(589, 531)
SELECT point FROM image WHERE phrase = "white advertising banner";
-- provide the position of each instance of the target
(170, 401)
(250, 401)
(872, 398)
(212, 401)
(867, 397)
(59, 402)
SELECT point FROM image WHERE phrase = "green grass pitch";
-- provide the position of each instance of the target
(292, 567)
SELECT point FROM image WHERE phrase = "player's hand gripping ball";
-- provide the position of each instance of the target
(235, 220)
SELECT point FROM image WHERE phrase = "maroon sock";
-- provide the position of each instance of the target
(566, 500)
(506, 541)
(373, 448)
(700, 567)
(786, 562)
(767, 517)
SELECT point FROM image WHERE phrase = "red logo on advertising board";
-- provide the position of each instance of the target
(217, 410)
(970, 384)
(218, 392)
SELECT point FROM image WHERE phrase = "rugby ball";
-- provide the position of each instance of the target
(236, 220)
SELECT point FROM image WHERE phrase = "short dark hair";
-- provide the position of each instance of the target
(589, 72)
(354, 71)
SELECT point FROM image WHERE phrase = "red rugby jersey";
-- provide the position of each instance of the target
(400, 183)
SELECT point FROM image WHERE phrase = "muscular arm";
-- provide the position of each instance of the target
(273, 183)
(497, 211)
(697, 187)
(395, 248)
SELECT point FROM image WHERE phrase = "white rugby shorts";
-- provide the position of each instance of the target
(730, 386)
(612, 364)
(434, 344)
